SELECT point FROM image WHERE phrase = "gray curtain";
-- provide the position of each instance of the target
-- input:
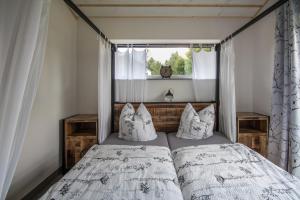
(284, 137)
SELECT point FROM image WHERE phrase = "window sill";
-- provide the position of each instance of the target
(175, 77)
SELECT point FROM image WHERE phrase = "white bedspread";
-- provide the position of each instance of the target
(120, 172)
(231, 171)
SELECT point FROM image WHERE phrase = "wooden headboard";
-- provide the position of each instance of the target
(165, 116)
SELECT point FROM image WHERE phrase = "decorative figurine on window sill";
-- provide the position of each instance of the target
(166, 71)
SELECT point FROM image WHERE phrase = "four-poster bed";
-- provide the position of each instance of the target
(173, 169)
(217, 46)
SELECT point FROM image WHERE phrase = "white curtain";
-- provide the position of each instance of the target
(104, 89)
(227, 114)
(204, 75)
(130, 75)
(23, 37)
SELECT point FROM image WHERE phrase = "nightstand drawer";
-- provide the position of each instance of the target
(75, 146)
(257, 143)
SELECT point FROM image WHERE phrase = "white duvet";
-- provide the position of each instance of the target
(231, 171)
(120, 172)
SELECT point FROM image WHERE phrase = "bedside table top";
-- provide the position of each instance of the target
(249, 115)
(83, 118)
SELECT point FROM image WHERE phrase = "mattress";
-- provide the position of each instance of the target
(161, 140)
(175, 142)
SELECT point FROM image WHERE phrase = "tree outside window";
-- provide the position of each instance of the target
(180, 60)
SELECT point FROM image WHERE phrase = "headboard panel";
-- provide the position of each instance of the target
(165, 116)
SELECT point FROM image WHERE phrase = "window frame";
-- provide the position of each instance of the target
(168, 45)
(173, 77)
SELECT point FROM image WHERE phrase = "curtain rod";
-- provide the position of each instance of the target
(254, 20)
(86, 19)
(165, 45)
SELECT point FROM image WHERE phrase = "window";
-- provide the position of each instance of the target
(180, 60)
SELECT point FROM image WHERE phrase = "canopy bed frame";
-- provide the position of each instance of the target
(217, 48)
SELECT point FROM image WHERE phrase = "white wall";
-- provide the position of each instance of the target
(143, 29)
(55, 100)
(87, 69)
(169, 29)
(263, 65)
(254, 56)
(183, 90)
(244, 58)
(156, 89)
(254, 64)
(254, 53)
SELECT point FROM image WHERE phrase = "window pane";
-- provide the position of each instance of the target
(180, 60)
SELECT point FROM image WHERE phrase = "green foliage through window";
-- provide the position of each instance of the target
(154, 66)
(181, 63)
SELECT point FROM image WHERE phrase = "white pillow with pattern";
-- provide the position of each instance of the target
(136, 126)
(195, 125)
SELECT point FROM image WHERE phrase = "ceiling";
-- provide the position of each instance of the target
(172, 8)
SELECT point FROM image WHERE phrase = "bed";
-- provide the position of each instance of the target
(213, 168)
(120, 172)
(231, 171)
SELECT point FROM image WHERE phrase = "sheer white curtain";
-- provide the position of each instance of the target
(23, 37)
(130, 75)
(104, 89)
(227, 91)
(204, 75)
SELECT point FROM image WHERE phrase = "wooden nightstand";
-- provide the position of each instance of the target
(252, 131)
(81, 132)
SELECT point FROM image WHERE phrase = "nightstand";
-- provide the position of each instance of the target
(252, 131)
(80, 133)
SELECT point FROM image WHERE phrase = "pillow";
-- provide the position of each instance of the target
(195, 125)
(136, 126)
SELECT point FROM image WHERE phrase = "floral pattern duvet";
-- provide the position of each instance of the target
(120, 172)
(231, 171)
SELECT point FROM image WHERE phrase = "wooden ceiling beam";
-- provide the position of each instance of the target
(174, 5)
(161, 17)
(257, 12)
